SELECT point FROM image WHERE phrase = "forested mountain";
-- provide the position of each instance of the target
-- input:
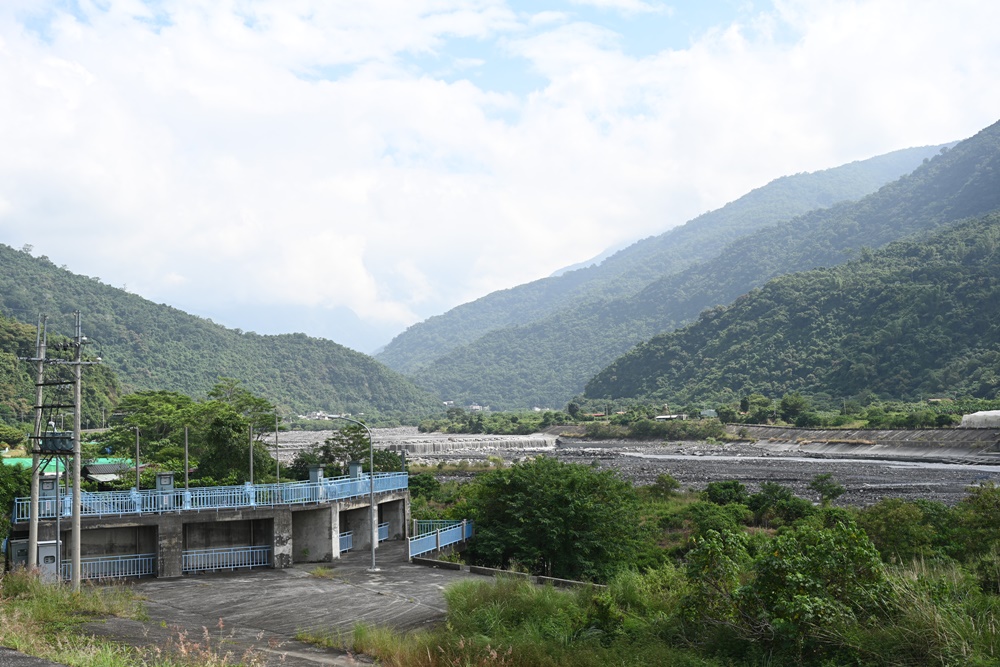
(17, 378)
(914, 319)
(154, 346)
(547, 362)
(631, 269)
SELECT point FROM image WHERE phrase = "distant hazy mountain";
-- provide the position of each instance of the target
(961, 183)
(154, 346)
(537, 344)
(913, 319)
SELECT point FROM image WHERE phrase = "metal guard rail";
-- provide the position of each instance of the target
(383, 531)
(346, 541)
(440, 537)
(224, 558)
(118, 503)
(112, 567)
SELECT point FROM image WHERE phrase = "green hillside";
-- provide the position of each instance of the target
(548, 362)
(912, 320)
(17, 378)
(631, 269)
(153, 346)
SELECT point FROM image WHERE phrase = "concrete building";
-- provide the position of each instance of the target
(169, 532)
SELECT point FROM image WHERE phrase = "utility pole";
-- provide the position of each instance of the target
(74, 540)
(40, 339)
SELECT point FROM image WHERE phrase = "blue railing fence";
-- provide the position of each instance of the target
(120, 503)
(113, 567)
(383, 532)
(346, 541)
(438, 534)
(225, 558)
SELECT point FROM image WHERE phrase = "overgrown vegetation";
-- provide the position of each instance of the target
(44, 620)
(738, 578)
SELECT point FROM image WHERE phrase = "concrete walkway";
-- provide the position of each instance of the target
(261, 610)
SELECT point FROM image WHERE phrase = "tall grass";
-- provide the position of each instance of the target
(514, 623)
(45, 620)
(941, 617)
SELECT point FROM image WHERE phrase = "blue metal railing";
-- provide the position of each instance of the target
(113, 567)
(447, 533)
(225, 558)
(383, 532)
(424, 526)
(346, 541)
(118, 503)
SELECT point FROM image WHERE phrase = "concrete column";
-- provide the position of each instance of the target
(283, 543)
(335, 530)
(169, 561)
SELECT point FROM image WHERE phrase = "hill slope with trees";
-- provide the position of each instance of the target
(548, 362)
(914, 319)
(155, 347)
(629, 270)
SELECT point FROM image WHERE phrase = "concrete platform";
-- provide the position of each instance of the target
(262, 610)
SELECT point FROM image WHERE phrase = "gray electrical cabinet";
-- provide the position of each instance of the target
(47, 490)
(165, 489)
(354, 469)
(48, 559)
(17, 553)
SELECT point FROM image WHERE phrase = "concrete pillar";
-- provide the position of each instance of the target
(283, 543)
(169, 560)
(335, 530)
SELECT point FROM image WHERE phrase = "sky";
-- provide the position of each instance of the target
(347, 169)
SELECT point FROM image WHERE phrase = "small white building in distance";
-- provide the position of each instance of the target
(985, 419)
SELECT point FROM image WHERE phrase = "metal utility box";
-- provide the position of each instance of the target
(48, 489)
(165, 489)
(164, 481)
(354, 468)
(16, 553)
(315, 474)
(57, 442)
(48, 559)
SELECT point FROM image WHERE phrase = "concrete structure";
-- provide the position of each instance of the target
(170, 532)
(984, 419)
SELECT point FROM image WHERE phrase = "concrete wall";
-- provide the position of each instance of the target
(357, 521)
(314, 535)
(115, 541)
(395, 512)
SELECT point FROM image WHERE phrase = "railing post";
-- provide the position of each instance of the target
(463, 530)
(437, 539)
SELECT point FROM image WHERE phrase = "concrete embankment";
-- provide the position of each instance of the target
(966, 445)
(408, 439)
(442, 444)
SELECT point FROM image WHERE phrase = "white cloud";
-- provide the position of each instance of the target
(628, 7)
(298, 153)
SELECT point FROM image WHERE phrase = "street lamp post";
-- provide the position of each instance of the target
(371, 485)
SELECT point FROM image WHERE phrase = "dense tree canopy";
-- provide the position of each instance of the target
(557, 519)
